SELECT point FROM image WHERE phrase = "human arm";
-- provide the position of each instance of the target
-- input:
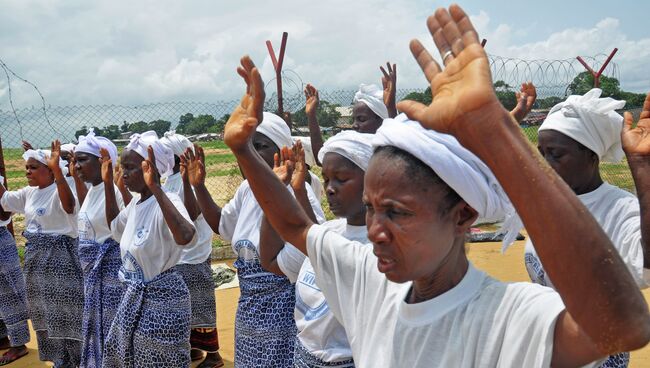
(119, 182)
(27, 146)
(525, 100)
(65, 192)
(188, 194)
(196, 175)
(604, 315)
(311, 109)
(112, 208)
(636, 144)
(389, 82)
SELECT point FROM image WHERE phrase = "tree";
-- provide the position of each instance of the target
(505, 94)
(584, 82)
(422, 97)
(327, 115)
(548, 102)
(80, 132)
(138, 127)
(160, 126)
(199, 124)
(183, 122)
(124, 127)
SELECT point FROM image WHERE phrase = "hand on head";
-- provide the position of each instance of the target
(248, 114)
(525, 100)
(636, 141)
(464, 86)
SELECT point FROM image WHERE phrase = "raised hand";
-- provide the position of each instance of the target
(283, 165)
(300, 168)
(195, 165)
(55, 157)
(312, 100)
(248, 114)
(72, 169)
(463, 90)
(107, 167)
(27, 146)
(525, 100)
(389, 82)
(183, 165)
(149, 171)
(636, 141)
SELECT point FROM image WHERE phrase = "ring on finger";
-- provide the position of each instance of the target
(447, 54)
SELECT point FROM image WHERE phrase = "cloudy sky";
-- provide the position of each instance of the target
(134, 52)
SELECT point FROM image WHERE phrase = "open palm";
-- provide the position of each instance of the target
(636, 141)
(55, 156)
(106, 166)
(195, 165)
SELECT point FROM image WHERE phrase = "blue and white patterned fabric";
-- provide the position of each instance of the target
(55, 296)
(103, 293)
(617, 361)
(304, 359)
(13, 304)
(152, 324)
(199, 281)
(265, 330)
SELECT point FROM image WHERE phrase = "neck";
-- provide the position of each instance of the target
(95, 182)
(449, 274)
(357, 220)
(145, 194)
(43, 186)
(593, 184)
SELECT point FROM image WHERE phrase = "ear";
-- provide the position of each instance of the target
(464, 217)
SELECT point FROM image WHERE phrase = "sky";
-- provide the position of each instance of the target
(138, 52)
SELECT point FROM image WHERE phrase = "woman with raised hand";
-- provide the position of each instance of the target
(195, 263)
(265, 330)
(14, 331)
(53, 276)
(99, 253)
(322, 341)
(415, 300)
(152, 323)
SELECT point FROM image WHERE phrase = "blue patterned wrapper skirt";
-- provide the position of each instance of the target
(199, 281)
(103, 293)
(13, 303)
(152, 325)
(265, 330)
(55, 296)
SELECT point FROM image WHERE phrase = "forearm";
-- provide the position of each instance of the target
(190, 201)
(281, 208)
(182, 230)
(65, 193)
(80, 186)
(270, 246)
(112, 208)
(303, 200)
(392, 110)
(640, 167)
(315, 136)
(575, 251)
(126, 195)
(210, 210)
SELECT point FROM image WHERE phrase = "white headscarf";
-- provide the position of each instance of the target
(373, 97)
(178, 143)
(356, 147)
(164, 156)
(276, 129)
(42, 156)
(309, 152)
(92, 144)
(465, 173)
(68, 147)
(591, 121)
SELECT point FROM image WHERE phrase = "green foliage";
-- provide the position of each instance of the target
(326, 115)
(584, 81)
(160, 126)
(505, 94)
(422, 97)
(548, 102)
(189, 124)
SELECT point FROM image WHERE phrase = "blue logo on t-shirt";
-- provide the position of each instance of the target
(40, 211)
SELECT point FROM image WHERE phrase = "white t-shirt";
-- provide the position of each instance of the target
(480, 322)
(91, 221)
(316, 186)
(200, 251)
(318, 330)
(147, 245)
(73, 186)
(618, 213)
(241, 220)
(43, 210)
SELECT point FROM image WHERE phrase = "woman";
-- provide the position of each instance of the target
(265, 330)
(415, 300)
(99, 253)
(322, 341)
(53, 276)
(195, 264)
(575, 137)
(14, 331)
(152, 323)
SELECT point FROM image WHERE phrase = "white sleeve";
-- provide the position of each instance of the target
(626, 237)
(230, 213)
(290, 260)
(14, 201)
(119, 222)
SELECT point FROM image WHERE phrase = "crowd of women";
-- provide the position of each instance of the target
(117, 265)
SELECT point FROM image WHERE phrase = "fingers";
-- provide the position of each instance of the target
(259, 95)
(412, 109)
(645, 113)
(200, 154)
(276, 160)
(383, 71)
(465, 27)
(151, 156)
(429, 66)
(450, 32)
(628, 120)
(444, 48)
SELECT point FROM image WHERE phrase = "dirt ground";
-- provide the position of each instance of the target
(485, 256)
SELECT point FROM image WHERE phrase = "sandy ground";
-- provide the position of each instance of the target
(485, 256)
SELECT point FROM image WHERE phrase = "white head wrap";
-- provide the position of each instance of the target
(356, 147)
(68, 147)
(176, 142)
(164, 156)
(591, 121)
(373, 97)
(42, 156)
(92, 144)
(465, 173)
(276, 129)
(309, 152)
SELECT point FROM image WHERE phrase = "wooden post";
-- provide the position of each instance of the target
(602, 68)
(277, 65)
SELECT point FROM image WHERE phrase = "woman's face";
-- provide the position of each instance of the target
(88, 167)
(364, 119)
(411, 236)
(344, 188)
(38, 174)
(131, 163)
(265, 147)
(576, 164)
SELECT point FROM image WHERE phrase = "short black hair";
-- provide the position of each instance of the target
(421, 173)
